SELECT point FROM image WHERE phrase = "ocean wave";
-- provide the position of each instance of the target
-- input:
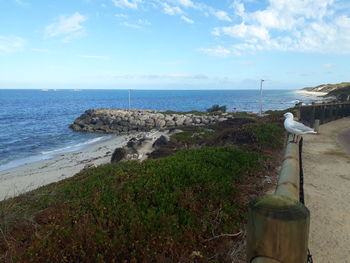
(74, 147)
(45, 155)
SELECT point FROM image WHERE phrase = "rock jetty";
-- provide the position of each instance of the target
(126, 121)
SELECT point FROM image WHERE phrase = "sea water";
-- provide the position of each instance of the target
(34, 124)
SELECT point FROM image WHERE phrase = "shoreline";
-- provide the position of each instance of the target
(311, 93)
(30, 176)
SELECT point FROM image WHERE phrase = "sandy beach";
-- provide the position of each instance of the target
(30, 176)
(327, 181)
(311, 93)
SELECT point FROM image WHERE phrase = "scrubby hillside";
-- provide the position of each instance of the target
(185, 204)
(331, 89)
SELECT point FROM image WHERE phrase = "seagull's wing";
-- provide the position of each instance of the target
(301, 127)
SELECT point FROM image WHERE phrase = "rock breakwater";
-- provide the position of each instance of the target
(126, 121)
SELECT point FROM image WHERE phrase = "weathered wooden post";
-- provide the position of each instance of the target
(326, 119)
(317, 125)
(298, 111)
(278, 225)
(331, 115)
(336, 111)
(322, 117)
(312, 114)
(278, 228)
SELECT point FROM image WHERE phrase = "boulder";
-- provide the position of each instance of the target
(124, 121)
(170, 123)
(118, 155)
(160, 123)
(162, 140)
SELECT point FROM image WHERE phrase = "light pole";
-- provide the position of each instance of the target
(261, 103)
(129, 99)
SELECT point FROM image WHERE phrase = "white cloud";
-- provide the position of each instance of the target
(127, 24)
(178, 7)
(222, 15)
(11, 44)
(139, 24)
(187, 20)
(133, 4)
(121, 15)
(171, 10)
(158, 76)
(218, 51)
(185, 3)
(186, 76)
(67, 27)
(251, 33)
(298, 25)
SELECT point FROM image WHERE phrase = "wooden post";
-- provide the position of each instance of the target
(331, 115)
(326, 113)
(278, 228)
(317, 125)
(298, 111)
(336, 111)
(312, 116)
(322, 117)
(278, 225)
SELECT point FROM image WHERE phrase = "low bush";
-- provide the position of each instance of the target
(160, 210)
(265, 134)
(217, 107)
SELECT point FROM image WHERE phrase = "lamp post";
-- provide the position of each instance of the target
(261, 103)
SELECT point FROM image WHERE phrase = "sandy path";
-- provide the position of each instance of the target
(327, 193)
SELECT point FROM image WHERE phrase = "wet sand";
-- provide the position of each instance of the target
(30, 176)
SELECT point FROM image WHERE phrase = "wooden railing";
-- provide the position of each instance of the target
(278, 224)
(324, 112)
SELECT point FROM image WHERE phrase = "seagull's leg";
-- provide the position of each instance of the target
(292, 141)
(295, 138)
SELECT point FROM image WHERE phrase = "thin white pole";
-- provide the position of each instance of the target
(129, 99)
(261, 94)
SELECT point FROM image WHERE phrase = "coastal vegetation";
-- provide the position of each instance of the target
(341, 91)
(216, 108)
(186, 203)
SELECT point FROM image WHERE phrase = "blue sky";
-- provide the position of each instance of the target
(170, 44)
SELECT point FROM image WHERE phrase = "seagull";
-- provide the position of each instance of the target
(294, 127)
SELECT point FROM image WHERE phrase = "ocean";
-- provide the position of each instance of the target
(34, 123)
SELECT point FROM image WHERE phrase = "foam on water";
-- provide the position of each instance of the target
(76, 147)
(45, 155)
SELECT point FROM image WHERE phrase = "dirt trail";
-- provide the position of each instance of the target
(327, 192)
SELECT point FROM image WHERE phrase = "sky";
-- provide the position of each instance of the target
(173, 44)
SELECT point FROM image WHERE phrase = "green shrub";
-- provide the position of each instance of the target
(155, 211)
(266, 134)
(217, 107)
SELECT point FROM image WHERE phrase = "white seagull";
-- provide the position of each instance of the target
(294, 127)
